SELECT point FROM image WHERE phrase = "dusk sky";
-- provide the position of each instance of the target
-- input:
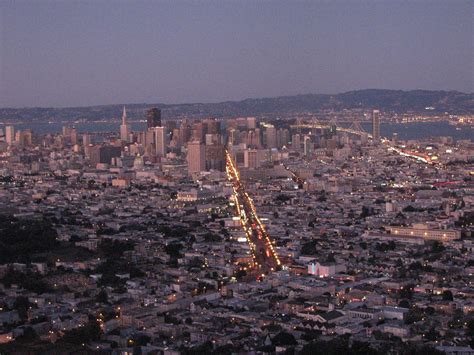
(68, 53)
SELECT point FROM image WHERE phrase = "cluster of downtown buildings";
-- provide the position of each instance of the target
(375, 244)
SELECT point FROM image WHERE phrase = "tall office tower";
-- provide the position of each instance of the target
(258, 138)
(124, 128)
(141, 138)
(198, 132)
(241, 123)
(215, 157)
(278, 139)
(73, 136)
(250, 139)
(212, 138)
(251, 159)
(66, 131)
(283, 137)
(251, 122)
(10, 134)
(170, 126)
(376, 125)
(69, 135)
(196, 157)
(211, 126)
(271, 136)
(160, 141)
(66, 136)
(149, 143)
(86, 143)
(233, 137)
(86, 140)
(395, 138)
(26, 137)
(103, 154)
(296, 142)
(153, 118)
(308, 145)
(331, 144)
(175, 141)
(185, 131)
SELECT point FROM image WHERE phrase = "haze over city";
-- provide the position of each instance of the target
(62, 53)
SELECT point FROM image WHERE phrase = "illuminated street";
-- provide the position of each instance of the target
(264, 256)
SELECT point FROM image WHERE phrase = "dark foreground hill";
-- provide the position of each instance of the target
(398, 101)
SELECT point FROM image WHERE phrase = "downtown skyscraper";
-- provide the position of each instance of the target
(376, 125)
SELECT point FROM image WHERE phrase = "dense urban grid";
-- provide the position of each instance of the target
(292, 235)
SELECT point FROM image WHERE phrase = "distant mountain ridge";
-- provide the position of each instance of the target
(398, 101)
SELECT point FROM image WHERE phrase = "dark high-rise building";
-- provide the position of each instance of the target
(376, 125)
(215, 157)
(103, 154)
(153, 118)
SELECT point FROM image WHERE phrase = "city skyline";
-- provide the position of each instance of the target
(238, 211)
(178, 236)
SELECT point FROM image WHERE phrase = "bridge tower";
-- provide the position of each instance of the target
(357, 127)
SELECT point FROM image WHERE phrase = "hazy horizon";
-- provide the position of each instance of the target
(73, 54)
(229, 100)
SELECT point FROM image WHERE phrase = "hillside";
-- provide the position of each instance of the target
(386, 100)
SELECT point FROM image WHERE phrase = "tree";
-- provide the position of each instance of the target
(409, 208)
(29, 335)
(447, 295)
(173, 250)
(29, 281)
(412, 349)
(102, 296)
(407, 291)
(140, 340)
(74, 238)
(413, 315)
(240, 273)
(404, 304)
(432, 334)
(196, 262)
(82, 335)
(20, 240)
(282, 198)
(284, 338)
(114, 248)
(437, 247)
(338, 346)
(366, 212)
(470, 328)
(212, 238)
(309, 248)
(204, 348)
(22, 305)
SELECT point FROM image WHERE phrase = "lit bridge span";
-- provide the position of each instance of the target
(356, 129)
(351, 130)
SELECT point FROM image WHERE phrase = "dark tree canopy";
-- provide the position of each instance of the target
(20, 240)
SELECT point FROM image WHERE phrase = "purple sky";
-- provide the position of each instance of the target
(66, 53)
